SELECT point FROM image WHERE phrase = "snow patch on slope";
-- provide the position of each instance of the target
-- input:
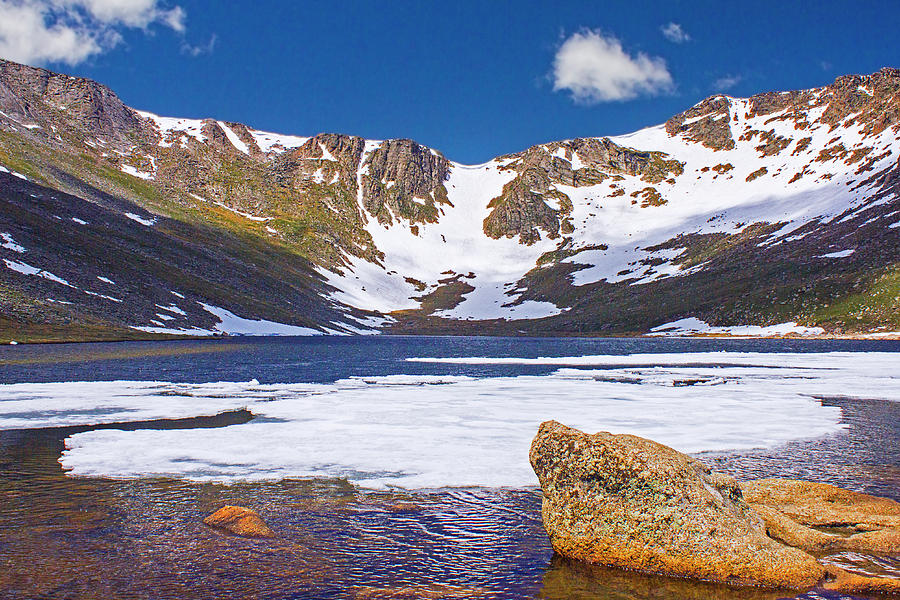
(140, 219)
(128, 169)
(233, 138)
(704, 201)
(232, 324)
(276, 142)
(26, 269)
(838, 254)
(492, 301)
(10, 243)
(692, 326)
(183, 128)
(229, 324)
(455, 245)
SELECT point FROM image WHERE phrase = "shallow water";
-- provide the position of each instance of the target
(66, 537)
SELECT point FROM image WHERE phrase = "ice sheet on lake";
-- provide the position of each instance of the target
(414, 431)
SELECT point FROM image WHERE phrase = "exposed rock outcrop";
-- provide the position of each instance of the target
(708, 122)
(45, 97)
(820, 517)
(628, 502)
(404, 179)
(522, 211)
(531, 202)
(605, 155)
(240, 521)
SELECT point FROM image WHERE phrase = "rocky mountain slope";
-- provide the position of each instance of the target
(117, 223)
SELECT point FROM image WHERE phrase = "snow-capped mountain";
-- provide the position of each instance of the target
(782, 207)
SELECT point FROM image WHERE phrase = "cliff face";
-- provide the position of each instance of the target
(773, 208)
(401, 179)
(45, 98)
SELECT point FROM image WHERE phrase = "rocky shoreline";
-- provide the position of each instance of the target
(140, 336)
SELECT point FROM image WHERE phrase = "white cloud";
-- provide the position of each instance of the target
(674, 33)
(200, 49)
(594, 68)
(71, 31)
(726, 83)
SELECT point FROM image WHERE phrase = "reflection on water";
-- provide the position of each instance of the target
(65, 537)
(81, 353)
(570, 580)
(68, 538)
(866, 564)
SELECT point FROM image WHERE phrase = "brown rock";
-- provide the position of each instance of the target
(239, 521)
(422, 592)
(520, 211)
(821, 517)
(406, 180)
(522, 207)
(629, 502)
(404, 507)
(708, 122)
(46, 97)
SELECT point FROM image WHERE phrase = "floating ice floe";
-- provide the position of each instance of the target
(414, 431)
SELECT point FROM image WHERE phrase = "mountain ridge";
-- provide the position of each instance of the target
(393, 236)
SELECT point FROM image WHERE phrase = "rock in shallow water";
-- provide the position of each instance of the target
(629, 502)
(823, 518)
(239, 521)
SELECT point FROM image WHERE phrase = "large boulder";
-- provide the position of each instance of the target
(818, 517)
(628, 502)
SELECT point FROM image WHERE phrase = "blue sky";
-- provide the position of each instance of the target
(472, 79)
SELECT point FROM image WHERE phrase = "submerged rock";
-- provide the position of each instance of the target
(239, 521)
(820, 517)
(850, 583)
(628, 502)
(422, 592)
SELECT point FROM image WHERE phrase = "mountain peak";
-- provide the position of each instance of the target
(736, 211)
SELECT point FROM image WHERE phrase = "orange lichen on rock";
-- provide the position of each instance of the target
(629, 502)
(797, 512)
(239, 521)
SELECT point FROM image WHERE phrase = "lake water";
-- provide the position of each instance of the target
(391, 465)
